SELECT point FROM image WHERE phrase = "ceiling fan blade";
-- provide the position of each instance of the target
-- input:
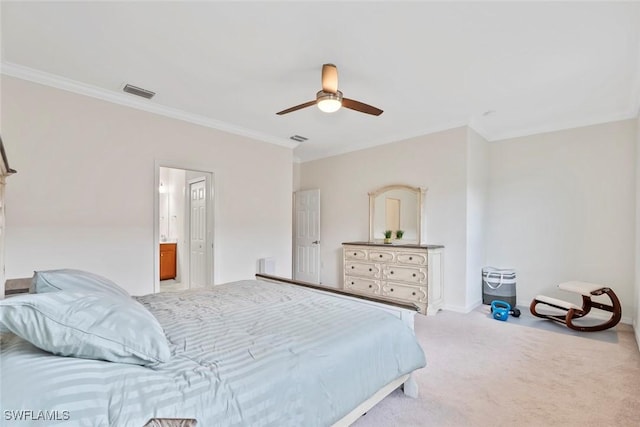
(330, 78)
(361, 107)
(297, 107)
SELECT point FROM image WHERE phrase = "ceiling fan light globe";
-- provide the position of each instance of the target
(329, 102)
(329, 105)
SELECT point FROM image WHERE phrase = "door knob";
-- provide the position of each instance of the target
(315, 242)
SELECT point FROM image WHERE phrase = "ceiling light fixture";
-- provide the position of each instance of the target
(329, 102)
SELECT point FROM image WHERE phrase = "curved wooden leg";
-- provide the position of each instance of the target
(555, 317)
(532, 308)
(615, 309)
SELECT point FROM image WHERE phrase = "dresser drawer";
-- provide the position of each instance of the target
(381, 256)
(417, 275)
(411, 258)
(358, 284)
(370, 270)
(405, 292)
(355, 253)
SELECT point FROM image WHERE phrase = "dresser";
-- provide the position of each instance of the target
(398, 272)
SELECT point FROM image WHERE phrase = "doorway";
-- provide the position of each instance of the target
(183, 228)
(306, 250)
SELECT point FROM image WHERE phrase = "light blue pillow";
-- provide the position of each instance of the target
(90, 326)
(74, 281)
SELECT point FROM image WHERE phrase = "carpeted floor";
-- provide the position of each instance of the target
(483, 372)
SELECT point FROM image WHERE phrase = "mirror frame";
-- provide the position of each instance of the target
(420, 195)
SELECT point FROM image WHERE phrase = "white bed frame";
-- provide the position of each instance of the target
(402, 311)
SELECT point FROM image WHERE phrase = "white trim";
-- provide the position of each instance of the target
(343, 149)
(559, 126)
(636, 329)
(464, 310)
(59, 82)
(477, 128)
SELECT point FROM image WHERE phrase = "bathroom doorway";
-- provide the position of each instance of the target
(184, 229)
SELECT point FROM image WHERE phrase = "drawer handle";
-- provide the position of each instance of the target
(369, 285)
(410, 258)
(370, 270)
(352, 267)
(380, 256)
(414, 274)
(354, 254)
(352, 283)
(391, 289)
(391, 271)
(413, 293)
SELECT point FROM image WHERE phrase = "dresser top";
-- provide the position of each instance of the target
(394, 245)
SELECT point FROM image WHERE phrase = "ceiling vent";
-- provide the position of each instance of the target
(134, 90)
(298, 138)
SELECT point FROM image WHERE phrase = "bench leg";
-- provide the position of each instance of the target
(615, 309)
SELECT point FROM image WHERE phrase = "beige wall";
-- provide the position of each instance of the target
(84, 193)
(557, 206)
(477, 195)
(561, 207)
(436, 161)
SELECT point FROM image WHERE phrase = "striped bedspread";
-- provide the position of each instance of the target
(246, 353)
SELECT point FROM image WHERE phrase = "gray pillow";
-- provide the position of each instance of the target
(74, 281)
(90, 326)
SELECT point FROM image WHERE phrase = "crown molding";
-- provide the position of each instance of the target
(560, 126)
(390, 140)
(59, 82)
(475, 126)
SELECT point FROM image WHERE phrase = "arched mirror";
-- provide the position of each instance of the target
(396, 208)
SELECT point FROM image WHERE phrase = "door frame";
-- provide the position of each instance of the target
(211, 215)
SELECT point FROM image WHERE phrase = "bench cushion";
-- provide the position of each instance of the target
(584, 288)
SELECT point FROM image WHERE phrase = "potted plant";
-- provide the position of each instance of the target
(387, 236)
(399, 234)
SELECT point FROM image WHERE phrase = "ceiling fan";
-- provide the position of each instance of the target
(330, 99)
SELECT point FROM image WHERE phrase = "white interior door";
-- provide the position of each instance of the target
(306, 253)
(198, 234)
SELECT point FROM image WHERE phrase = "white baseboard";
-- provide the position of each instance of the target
(636, 330)
(462, 309)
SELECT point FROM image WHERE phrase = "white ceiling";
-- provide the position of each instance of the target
(429, 66)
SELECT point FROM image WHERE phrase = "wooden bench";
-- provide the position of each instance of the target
(572, 311)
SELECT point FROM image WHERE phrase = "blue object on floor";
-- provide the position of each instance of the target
(500, 310)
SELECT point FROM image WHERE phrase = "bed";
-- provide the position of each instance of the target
(247, 353)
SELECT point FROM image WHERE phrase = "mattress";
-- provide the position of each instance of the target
(247, 353)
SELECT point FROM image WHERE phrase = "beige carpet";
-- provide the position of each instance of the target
(483, 372)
